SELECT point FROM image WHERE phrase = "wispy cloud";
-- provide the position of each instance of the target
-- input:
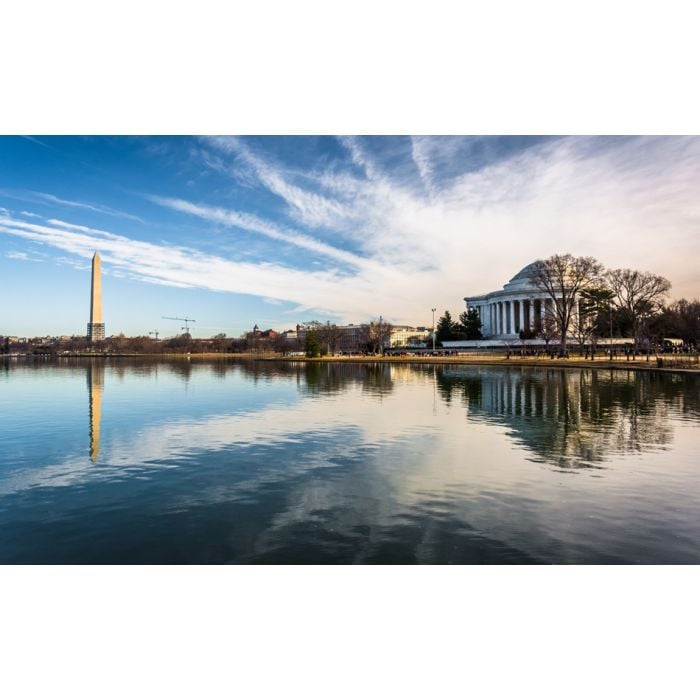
(36, 141)
(77, 264)
(359, 157)
(28, 256)
(310, 208)
(45, 197)
(250, 222)
(422, 161)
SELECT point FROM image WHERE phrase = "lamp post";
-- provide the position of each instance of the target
(610, 310)
(433, 310)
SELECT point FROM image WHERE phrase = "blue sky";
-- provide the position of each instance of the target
(234, 231)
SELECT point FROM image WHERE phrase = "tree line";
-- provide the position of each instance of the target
(328, 339)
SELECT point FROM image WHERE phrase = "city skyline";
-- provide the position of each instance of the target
(278, 230)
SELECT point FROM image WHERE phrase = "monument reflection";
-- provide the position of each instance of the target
(95, 381)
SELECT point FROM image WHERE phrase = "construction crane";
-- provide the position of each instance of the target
(155, 333)
(187, 321)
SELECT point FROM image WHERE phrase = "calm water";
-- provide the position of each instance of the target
(193, 462)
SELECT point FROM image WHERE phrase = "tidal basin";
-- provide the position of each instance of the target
(226, 462)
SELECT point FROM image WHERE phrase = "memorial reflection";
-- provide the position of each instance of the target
(573, 418)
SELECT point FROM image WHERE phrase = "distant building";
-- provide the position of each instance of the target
(354, 337)
(256, 334)
(408, 337)
(96, 326)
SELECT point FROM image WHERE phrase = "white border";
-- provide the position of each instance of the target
(365, 67)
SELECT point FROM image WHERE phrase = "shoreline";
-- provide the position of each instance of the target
(638, 365)
(487, 360)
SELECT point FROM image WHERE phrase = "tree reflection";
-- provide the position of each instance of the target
(574, 418)
(328, 377)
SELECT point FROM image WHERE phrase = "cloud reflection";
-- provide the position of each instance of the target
(383, 463)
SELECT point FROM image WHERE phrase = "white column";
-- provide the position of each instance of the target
(532, 314)
(512, 317)
(522, 314)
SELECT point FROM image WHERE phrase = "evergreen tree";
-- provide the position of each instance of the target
(470, 325)
(313, 345)
(446, 328)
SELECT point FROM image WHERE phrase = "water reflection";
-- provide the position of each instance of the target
(567, 418)
(574, 417)
(96, 380)
(327, 378)
(251, 462)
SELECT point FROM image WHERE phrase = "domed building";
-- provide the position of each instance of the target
(520, 305)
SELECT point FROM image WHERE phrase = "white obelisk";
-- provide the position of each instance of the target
(96, 327)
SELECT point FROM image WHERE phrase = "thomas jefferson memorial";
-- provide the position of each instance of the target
(520, 305)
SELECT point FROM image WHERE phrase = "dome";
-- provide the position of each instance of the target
(526, 273)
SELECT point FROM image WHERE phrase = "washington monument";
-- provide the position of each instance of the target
(96, 327)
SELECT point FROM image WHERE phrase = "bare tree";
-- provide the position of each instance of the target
(562, 278)
(330, 336)
(583, 326)
(593, 305)
(375, 336)
(284, 345)
(548, 328)
(220, 342)
(379, 335)
(637, 295)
